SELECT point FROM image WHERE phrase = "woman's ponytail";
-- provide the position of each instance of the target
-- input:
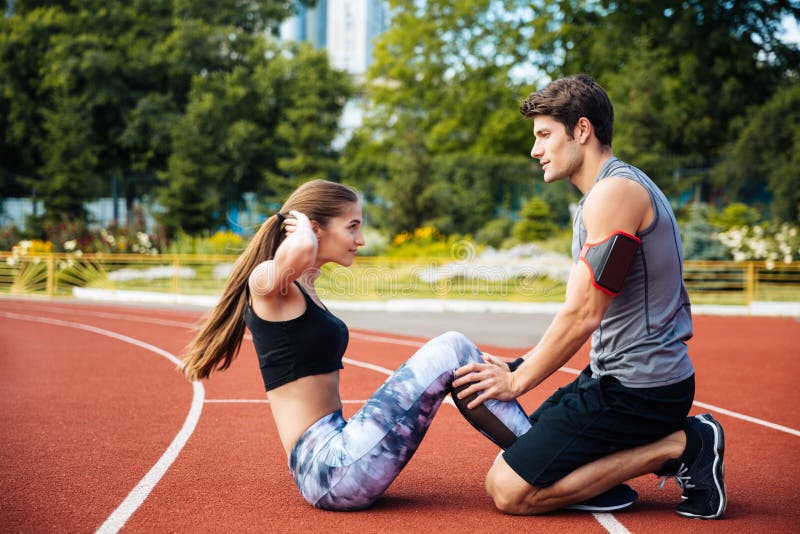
(219, 339)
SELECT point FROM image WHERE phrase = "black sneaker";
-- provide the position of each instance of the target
(703, 479)
(617, 498)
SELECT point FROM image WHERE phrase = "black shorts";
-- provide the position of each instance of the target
(591, 418)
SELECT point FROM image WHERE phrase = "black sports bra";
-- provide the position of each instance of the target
(311, 344)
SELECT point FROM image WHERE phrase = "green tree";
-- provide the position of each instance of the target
(679, 73)
(69, 159)
(114, 78)
(24, 42)
(765, 155)
(265, 126)
(733, 215)
(536, 221)
(448, 65)
(468, 189)
(313, 96)
(443, 84)
(406, 205)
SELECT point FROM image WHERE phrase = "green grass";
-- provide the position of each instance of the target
(379, 279)
(384, 282)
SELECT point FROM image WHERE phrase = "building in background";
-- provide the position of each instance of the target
(346, 29)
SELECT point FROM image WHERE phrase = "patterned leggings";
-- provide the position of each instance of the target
(347, 465)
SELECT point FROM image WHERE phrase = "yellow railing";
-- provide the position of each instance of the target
(370, 278)
(58, 274)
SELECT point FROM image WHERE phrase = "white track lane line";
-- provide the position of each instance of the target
(611, 523)
(129, 317)
(266, 401)
(608, 521)
(744, 417)
(139, 493)
(407, 343)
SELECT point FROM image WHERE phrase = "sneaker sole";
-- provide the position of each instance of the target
(719, 469)
(622, 501)
(585, 508)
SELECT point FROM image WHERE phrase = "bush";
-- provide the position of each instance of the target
(10, 236)
(698, 236)
(734, 216)
(427, 242)
(226, 243)
(376, 242)
(221, 242)
(495, 232)
(536, 221)
(770, 242)
(76, 236)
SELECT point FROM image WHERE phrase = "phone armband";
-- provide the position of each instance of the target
(610, 260)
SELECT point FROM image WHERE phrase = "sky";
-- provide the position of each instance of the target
(791, 30)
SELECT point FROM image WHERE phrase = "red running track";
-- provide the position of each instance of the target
(100, 430)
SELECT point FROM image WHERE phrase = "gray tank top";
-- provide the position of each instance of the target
(641, 340)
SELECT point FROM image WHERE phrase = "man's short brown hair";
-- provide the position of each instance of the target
(569, 99)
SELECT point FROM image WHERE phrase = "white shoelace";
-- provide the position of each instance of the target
(682, 478)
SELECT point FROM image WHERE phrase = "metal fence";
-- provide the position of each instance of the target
(370, 278)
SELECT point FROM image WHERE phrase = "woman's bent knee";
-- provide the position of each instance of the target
(454, 337)
(459, 342)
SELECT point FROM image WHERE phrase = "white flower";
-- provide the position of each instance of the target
(70, 245)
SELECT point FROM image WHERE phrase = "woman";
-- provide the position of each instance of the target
(337, 464)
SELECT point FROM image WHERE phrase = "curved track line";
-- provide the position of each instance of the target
(608, 521)
(140, 492)
(128, 317)
(410, 343)
(137, 496)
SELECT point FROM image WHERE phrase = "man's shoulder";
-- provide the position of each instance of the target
(615, 203)
(617, 167)
(614, 186)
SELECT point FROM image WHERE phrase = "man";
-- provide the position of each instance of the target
(625, 415)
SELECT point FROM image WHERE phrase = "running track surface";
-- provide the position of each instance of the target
(100, 432)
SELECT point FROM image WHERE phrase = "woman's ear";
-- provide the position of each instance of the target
(315, 227)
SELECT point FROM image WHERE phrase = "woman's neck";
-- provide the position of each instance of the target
(309, 277)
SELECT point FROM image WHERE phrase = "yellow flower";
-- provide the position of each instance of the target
(34, 247)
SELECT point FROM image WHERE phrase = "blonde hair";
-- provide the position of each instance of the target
(219, 339)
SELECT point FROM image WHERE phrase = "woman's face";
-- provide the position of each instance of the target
(340, 239)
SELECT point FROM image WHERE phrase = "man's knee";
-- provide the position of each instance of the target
(510, 492)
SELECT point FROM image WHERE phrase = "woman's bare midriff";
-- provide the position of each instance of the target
(301, 403)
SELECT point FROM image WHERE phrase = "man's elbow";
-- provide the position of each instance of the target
(585, 319)
(592, 319)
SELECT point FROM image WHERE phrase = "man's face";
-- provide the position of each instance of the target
(559, 155)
